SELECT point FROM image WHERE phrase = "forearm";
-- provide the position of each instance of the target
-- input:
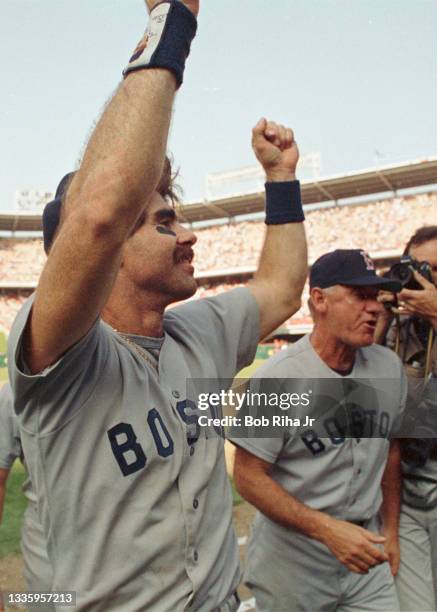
(124, 157)
(284, 257)
(274, 502)
(391, 490)
(283, 267)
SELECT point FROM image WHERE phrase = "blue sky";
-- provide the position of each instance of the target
(350, 76)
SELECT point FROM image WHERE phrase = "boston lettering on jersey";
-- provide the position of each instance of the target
(360, 423)
(128, 447)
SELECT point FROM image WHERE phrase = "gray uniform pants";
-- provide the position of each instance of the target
(302, 575)
(416, 581)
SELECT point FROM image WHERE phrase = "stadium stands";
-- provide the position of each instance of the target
(21, 260)
(380, 226)
(10, 304)
(384, 225)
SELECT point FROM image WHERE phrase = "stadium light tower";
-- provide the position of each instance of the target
(32, 200)
(241, 181)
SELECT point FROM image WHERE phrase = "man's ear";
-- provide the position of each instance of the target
(318, 301)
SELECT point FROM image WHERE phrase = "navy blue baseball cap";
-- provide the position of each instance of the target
(348, 267)
(52, 212)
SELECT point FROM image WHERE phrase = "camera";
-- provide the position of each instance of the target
(403, 272)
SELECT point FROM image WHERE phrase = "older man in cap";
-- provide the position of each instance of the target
(325, 537)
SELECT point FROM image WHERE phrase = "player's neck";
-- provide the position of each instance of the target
(134, 313)
(336, 354)
(148, 324)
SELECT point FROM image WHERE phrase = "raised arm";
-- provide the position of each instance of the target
(354, 546)
(283, 266)
(120, 171)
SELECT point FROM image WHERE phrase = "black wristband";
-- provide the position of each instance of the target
(167, 41)
(283, 203)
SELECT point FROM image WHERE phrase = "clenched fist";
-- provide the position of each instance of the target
(192, 5)
(276, 150)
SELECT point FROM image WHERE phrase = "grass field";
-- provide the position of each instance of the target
(15, 505)
(247, 372)
(237, 499)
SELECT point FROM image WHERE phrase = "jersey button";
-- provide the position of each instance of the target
(176, 394)
(196, 556)
(192, 451)
(195, 503)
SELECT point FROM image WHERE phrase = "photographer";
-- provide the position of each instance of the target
(409, 326)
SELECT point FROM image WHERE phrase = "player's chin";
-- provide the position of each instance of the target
(185, 288)
(367, 338)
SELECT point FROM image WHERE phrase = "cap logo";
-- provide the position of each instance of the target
(369, 263)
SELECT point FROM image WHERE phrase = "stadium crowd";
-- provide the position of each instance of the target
(10, 304)
(377, 226)
(370, 226)
(21, 260)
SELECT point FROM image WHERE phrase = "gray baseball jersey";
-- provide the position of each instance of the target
(138, 511)
(335, 474)
(37, 569)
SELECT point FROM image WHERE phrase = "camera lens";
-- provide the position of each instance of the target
(404, 273)
(401, 272)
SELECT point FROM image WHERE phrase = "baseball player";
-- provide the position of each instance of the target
(37, 571)
(133, 497)
(316, 542)
(417, 577)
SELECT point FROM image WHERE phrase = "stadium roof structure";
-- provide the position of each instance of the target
(322, 190)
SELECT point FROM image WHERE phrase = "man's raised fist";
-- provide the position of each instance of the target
(276, 150)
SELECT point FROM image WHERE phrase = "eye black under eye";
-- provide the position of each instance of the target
(162, 229)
